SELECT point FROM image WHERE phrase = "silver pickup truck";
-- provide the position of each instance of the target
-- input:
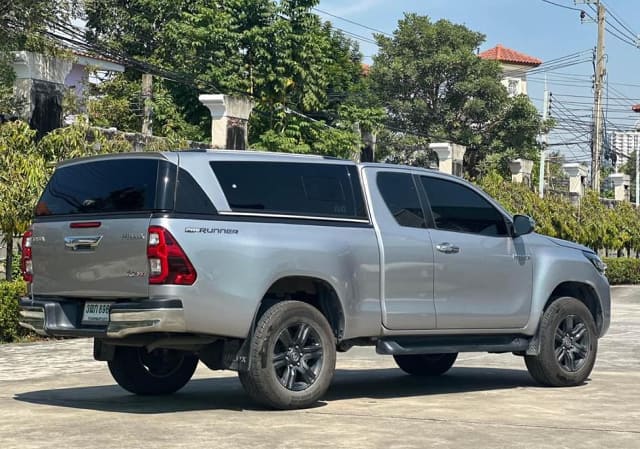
(268, 264)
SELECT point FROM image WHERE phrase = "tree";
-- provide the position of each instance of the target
(279, 53)
(434, 86)
(118, 102)
(22, 177)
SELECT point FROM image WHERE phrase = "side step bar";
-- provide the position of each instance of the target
(447, 344)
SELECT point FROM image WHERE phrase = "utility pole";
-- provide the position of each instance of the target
(147, 91)
(598, 128)
(598, 125)
(545, 151)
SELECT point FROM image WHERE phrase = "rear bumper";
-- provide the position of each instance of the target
(63, 318)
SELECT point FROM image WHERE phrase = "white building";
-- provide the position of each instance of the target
(42, 80)
(515, 66)
(623, 143)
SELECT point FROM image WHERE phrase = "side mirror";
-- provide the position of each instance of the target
(522, 224)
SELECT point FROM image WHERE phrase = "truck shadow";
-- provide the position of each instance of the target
(226, 393)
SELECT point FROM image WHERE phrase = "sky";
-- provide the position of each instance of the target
(535, 28)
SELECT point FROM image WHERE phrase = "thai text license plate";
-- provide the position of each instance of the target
(96, 312)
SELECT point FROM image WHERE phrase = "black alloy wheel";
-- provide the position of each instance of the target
(572, 343)
(567, 344)
(297, 356)
(292, 357)
(161, 371)
(161, 363)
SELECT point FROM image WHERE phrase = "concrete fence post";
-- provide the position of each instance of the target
(577, 174)
(621, 186)
(521, 171)
(229, 119)
(450, 157)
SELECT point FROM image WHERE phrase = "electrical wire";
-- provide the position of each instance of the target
(352, 22)
(561, 6)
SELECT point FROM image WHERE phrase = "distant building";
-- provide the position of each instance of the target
(622, 144)
(42, 80)
(515, 66)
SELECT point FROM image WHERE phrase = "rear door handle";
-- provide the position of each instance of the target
(85, 242)
(447, 248)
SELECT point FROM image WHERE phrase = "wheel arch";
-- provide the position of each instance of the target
(312, 290)
(584, 293)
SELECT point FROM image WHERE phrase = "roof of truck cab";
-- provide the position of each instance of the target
(264, 156)
(243, 155)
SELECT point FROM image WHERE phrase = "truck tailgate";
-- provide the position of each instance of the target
(108, 260)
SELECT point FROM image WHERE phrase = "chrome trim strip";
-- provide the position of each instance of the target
(32, 320)
(88, 241)
(32, 314)
(299, 217)
(123, 323)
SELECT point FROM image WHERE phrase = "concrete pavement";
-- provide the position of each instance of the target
(53, 394)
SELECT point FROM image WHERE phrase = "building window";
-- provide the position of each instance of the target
(513, 86)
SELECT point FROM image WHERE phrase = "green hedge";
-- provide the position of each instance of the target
(9, 294)
(623, 270)
(590, 223)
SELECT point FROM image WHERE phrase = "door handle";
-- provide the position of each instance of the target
(447, 248)
(86, 242)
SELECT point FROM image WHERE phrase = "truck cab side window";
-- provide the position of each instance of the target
(460, 209)
(401, 197)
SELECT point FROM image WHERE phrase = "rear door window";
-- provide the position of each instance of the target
(103, 186)
(401, 197)
(290, 188)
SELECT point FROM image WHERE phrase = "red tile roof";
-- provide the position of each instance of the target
(504, 54)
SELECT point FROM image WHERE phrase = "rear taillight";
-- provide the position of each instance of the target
(26, 264)
(168, 263)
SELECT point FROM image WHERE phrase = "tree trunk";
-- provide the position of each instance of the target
(8, 263)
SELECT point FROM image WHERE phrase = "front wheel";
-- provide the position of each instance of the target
(161, 371)
(426, 364)
(293, 357)
(568, 345)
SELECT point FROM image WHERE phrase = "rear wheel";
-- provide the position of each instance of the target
(293, 357)
(426, 364)
(161, 371)
(568, 345)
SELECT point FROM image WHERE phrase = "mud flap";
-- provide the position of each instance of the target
(103, 352)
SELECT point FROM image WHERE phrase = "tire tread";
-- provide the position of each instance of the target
(255, 380)
(543, 367)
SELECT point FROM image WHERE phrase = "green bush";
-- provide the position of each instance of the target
(9, 294)
(623, 270)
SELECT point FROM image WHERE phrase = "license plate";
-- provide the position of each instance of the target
(96, 312)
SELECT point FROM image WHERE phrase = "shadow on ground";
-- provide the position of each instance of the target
(227, 394)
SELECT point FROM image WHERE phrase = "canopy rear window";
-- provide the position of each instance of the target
(291, 188)
(106, 186)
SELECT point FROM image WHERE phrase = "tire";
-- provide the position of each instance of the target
(426, 364)
(568, 345)
(161, 371)
(292, 357)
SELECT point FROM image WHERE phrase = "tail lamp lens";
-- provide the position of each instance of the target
(168, 263)
(26, 263)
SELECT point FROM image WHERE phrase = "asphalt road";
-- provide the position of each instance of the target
(54, 395)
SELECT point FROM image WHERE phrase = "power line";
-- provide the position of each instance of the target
(621, 22)
(352, 22)
(629, 39)
(562, 6)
